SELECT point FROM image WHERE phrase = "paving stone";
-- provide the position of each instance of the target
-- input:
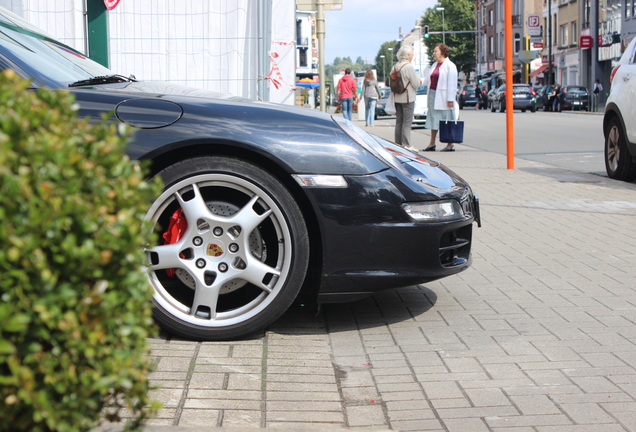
(369, 415)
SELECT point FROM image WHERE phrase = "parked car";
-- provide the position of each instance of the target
(619, 120)
(573, 98)
(421, 106)
(467, 96)
(261, 199)
(523, 98)
(379, 107)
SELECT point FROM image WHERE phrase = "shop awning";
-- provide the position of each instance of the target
(538, 71)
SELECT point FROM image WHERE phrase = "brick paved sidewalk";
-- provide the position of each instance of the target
(538, 335)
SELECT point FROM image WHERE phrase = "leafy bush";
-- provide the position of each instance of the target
(75, 306)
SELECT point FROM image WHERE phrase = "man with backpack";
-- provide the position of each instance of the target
(404, 83)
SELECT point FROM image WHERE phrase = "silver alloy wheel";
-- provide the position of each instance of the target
(223, 251)
(613, 148)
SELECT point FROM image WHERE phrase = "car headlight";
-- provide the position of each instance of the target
(369, 143)
(434, 211)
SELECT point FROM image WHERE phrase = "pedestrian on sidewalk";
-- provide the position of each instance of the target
(371, 93)
(442, 93)
(405, 101)
(347, 91)
(598, 88)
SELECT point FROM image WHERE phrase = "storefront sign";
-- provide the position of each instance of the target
(605, 39)
(586, 42)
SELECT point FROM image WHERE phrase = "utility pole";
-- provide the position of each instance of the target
(320, 32)
(441, 8)
(550, 79)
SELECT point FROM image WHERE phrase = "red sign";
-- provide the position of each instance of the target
(537, 45)
(586, 41)
(111, 4)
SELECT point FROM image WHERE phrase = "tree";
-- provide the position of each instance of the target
(458, 15)
(337, 61)
(383, 65)
(360, 61)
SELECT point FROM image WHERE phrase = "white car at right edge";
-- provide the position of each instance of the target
(619, 121)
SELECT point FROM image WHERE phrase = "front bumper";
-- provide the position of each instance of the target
(370, 244)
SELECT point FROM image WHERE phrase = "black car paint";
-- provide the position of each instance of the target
(351, 216)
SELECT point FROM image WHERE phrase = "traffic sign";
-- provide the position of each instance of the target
(534, 24)
(527, 56)
(312, 5)
(586, 41)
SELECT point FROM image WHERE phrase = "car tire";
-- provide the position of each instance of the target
(502, 108)
(461, 107)
(242, 256)
(492, 108)
(533, 109)
(523, 110)
(618, 161)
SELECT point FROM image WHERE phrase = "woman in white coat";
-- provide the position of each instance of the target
(442, 93)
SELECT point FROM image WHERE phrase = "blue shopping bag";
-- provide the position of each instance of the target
(451, 131)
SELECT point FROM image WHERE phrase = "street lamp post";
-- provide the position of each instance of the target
(383, 68)
(441, 8)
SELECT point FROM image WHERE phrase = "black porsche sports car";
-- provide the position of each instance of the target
(263, 200)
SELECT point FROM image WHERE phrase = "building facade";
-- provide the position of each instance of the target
(580, 41)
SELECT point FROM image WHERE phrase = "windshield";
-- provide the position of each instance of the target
(47, 61)
(422, 90)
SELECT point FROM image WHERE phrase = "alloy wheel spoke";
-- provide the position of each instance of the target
(194, 208)
(206, 296)
(167, 255)
(247, 216)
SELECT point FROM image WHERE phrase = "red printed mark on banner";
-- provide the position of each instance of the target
(111, 4)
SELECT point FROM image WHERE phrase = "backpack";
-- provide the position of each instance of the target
(396, 84)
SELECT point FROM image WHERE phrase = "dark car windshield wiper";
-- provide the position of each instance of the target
(110, 79)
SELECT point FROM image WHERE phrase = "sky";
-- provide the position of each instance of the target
(362, 26)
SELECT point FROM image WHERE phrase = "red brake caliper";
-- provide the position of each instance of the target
(178, 225)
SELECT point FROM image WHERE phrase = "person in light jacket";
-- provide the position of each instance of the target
(442, 93)
(405, 102)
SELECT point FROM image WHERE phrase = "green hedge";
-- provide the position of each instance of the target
(75, 305)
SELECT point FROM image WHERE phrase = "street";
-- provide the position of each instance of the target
(539, 335)
(571, 140)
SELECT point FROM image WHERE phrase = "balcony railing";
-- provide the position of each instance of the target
(516, 19)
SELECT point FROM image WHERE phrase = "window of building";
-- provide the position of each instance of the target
(574, 32)
(302, 57)
(491, 45)
(563, 30)
(586, 13)
(491, 17)
(628, 9)
(517, 43)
